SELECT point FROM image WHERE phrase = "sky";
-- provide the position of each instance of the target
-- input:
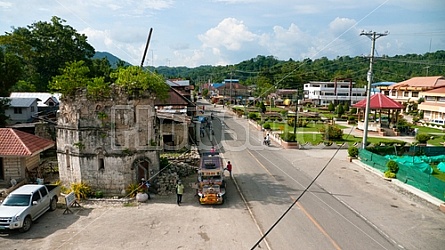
(192, 33)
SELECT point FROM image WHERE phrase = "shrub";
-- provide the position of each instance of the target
(393, 166)
(422, 137)
(301, 123)
(352, 151)
(331, 107)
(389, 174)
(81, 190)
(266, 126)
(163, 162)
(132, 189)
(331, 132)
(288, 137)
(252, 116)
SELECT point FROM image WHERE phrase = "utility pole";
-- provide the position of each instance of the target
(373, 36)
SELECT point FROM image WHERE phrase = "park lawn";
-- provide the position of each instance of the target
(311, 127)
(428, 130)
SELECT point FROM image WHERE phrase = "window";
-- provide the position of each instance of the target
(32, 108)
(386, 92)
(67, 159)
(405, 93)
(430, 98)
(43, 191)
(441, 99)
(101, 163)
(36, 196)
(393, 93)
(415, 94)
(17, 110)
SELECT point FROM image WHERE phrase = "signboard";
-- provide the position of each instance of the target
(70, 201)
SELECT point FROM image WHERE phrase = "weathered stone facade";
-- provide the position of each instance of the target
(107, 144)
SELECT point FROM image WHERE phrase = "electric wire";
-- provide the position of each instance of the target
(301, 195)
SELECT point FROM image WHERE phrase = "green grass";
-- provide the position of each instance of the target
(436, 173)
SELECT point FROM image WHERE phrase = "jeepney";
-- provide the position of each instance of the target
(211, 184)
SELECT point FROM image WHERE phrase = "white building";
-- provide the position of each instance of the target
(21, 110)
(323, 93)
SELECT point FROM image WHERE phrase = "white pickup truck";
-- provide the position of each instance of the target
(27, 203)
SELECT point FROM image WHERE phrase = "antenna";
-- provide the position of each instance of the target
(146, 47)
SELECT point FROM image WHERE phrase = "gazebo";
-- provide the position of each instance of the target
(378, 103)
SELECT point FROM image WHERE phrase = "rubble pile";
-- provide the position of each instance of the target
(179, 167)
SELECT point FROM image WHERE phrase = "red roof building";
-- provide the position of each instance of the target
(379, 101)
(17, 143)
(19, 154)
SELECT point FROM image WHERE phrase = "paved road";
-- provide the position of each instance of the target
(347, 208)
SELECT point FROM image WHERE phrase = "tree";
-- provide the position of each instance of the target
(340, 111)
(331, 107)
(10, 71)
(44, 48)
(4, 104)
(72, 78)
(23, 86)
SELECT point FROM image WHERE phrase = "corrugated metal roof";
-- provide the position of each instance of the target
(18, 102)
(423, 82)
(17, 143)
(43, 96)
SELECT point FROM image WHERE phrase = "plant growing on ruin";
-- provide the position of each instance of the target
(134, 80)
(79, 145)
(98, 89)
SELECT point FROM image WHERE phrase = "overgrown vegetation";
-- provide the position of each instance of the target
(392, 170)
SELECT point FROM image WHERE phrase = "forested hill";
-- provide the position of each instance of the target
(291, 74)
(112, 59)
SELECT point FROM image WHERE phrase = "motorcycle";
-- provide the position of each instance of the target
(266, 141)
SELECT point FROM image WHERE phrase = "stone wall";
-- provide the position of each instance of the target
(98, 142)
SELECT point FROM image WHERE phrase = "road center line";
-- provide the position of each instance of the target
(308, 215)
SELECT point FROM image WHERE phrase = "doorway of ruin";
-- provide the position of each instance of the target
(142, 167)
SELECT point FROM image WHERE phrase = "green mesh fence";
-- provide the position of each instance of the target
(414, 171)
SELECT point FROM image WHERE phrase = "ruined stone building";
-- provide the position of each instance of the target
(107, 144)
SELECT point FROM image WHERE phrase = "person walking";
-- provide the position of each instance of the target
(179, 192)
(229, 168)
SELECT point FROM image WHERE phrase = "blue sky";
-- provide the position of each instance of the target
(223, 32)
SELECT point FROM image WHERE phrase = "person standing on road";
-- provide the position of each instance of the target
(179, 192)
(229, 168)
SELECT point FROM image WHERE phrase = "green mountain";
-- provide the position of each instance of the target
(114, 60)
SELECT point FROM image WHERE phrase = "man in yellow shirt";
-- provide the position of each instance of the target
(179, 192)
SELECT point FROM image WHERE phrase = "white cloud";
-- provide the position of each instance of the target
(230, 34)
(5, 5)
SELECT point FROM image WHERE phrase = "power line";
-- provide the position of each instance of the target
(373, 36)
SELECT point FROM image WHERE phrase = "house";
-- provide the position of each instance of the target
(175, 120)
(21, 110)
(409, 90)
(46, 102)
(323, 93)
(110, 143)
(19, 154)
(232, 90)
(183, 87)
(434, 106)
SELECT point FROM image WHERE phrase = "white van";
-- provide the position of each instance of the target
(438, 121)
